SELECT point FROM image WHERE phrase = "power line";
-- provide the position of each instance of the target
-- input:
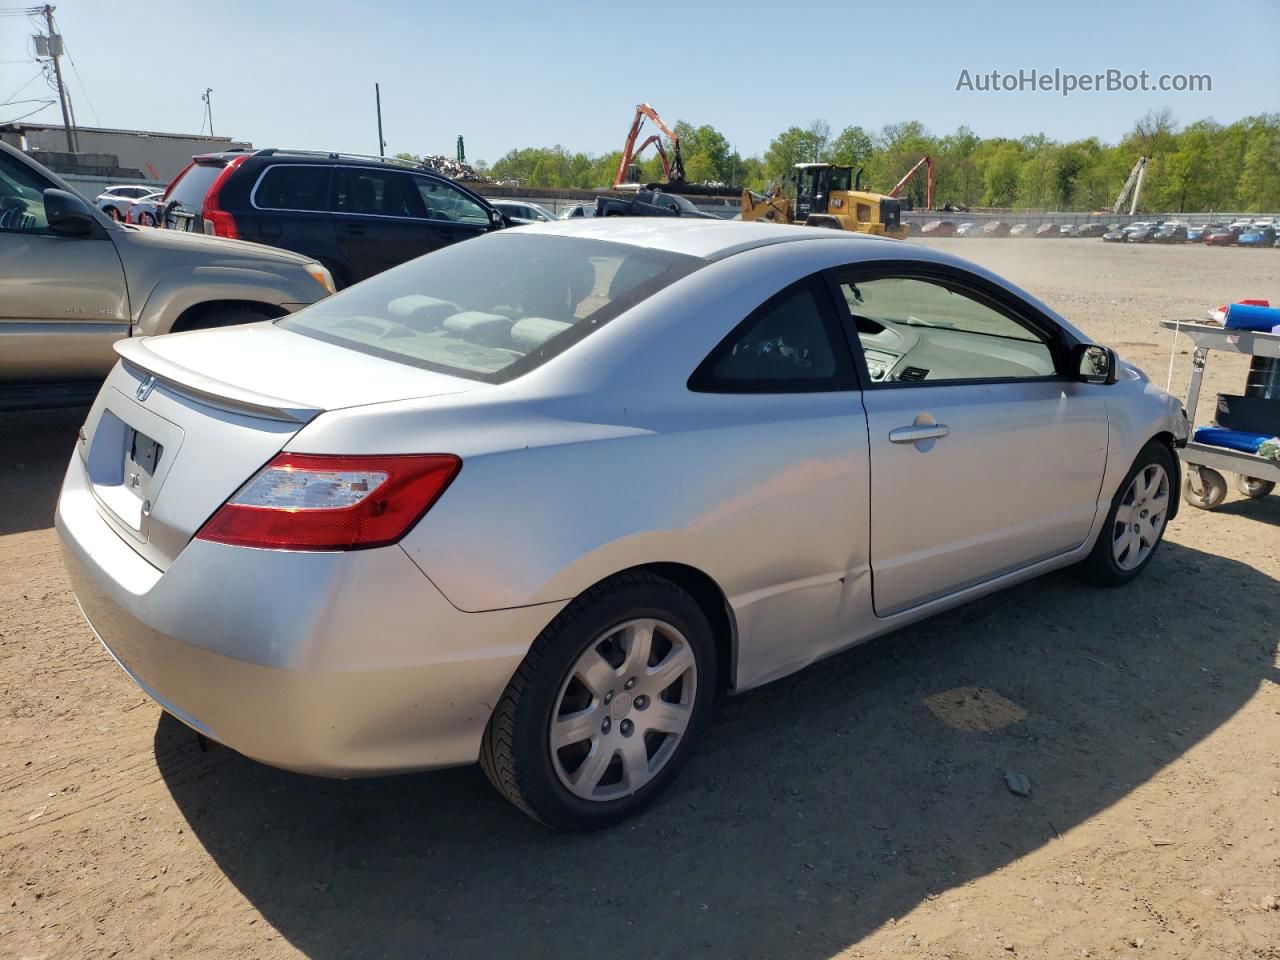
(83, 88)
(9, 99)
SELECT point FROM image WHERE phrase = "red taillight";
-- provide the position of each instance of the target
(313, 502)
(216, 219)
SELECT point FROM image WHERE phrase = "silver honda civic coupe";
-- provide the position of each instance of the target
(540, 498)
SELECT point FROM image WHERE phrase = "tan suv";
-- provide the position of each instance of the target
(73, 282)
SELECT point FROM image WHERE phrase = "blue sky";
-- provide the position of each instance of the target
(508, 74)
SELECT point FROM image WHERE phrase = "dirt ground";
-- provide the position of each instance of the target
(856, 809)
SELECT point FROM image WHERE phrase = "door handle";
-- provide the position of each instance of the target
(355, 228)
(914, 433)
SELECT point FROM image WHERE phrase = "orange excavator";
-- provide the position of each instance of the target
(672, 169)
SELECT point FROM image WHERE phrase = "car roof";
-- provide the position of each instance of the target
(708, 239)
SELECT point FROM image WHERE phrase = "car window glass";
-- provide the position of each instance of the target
(494, 307)
(370, 192)
(189, 189)
(784, 346)
(922, 331)
(21, 198)
(444, 202)
(285, 187)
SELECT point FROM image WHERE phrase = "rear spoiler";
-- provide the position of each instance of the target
(207, 390)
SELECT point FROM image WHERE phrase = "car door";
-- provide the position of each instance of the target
(455, 215)
(380, 219)
(290, 203)
(63, 300)
(985, 457)
(794, 506)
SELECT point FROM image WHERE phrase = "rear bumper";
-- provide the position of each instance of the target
(336, 664)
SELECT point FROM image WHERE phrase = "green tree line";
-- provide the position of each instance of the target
(1202, 166)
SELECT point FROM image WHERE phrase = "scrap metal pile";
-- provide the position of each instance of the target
(458, 170)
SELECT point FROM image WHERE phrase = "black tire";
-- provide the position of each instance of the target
(516, 752)
(1253, 488)
(1100, 567)
(1213, 484)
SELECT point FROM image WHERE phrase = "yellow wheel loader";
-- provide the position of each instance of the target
(827, 195)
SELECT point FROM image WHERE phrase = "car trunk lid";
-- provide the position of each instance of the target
(183, 421)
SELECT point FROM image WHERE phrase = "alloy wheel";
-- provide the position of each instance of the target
(1140, 517)
(623, 709)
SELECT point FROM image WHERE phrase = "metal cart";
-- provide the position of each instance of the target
(1205, 486)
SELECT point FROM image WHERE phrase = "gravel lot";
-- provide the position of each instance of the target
(856, 809)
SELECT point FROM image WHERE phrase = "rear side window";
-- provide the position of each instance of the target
(289, 187)
(189, 189)
(494, 307)
(370, 192)
(789, 345)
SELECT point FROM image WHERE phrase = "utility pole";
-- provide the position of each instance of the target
(208, 107)
(55, 50)
(382, 144)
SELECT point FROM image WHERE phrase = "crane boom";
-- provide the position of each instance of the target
(925, 161)
(673, 169)
(1134, 184)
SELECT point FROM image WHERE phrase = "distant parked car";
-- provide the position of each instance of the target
(1140, 232)
(939, 228)
(1257, 237)
(521, 210)
(1114, 235)
(1170, 233)
(76, 283)
(146, 212)
(969, 230)
(1195, 234)
(1221, 237)
(1068, 230)
(995, 228)
(356, 215)
(1048, 230)
(114, 201)
(579, 210)
(1021, 230)
(1091, 230)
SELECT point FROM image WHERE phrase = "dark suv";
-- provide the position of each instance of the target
(356, 215)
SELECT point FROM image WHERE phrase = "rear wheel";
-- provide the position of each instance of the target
(146, 219)
(1253, 488)
(1135, 523)
(606, 707)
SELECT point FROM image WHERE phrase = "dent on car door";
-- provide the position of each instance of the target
(984, 459)
(64, 301)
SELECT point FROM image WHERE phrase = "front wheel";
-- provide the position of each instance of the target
(606, 707)
(1135, 523)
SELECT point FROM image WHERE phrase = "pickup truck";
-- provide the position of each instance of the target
(73, 281)
(649, 203)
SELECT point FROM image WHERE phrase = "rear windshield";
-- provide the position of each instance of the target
(495, 307)
(189, 189)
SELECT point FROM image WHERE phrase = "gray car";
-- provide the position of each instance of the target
(540, 498)
(76, 282)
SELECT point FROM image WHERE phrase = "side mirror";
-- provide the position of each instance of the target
(496, 220)
(68, 214)
(1095, 364)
